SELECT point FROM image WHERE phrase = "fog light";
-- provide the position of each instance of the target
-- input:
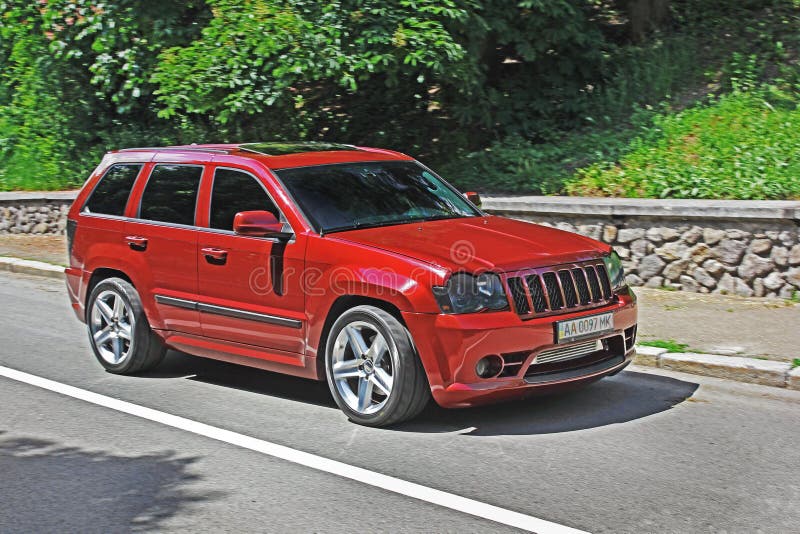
(489, 366)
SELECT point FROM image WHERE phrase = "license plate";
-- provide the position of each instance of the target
(584, 327)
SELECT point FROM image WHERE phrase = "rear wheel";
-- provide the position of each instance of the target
(373, 370)
(119, 333)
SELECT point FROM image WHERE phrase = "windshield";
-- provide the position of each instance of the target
(357, 195)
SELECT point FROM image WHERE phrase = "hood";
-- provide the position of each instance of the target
(479, 243)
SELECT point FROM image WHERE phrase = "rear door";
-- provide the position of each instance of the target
(163, 237)
(249, 286)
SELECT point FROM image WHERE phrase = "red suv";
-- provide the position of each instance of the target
(356, 265)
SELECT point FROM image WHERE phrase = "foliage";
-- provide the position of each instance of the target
(501, 95)
(517, 165)
(118, 43)
(739, 146)
(255, 55)
(610, 117)
(535, 59)
(66, 93)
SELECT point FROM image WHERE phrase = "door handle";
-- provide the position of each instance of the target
(136, 242)
(217, 256)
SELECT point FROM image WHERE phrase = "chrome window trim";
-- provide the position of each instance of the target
(163, 224)
(198, 229)
(103, 216)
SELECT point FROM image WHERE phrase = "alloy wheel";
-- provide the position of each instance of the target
(112, 326)
(363, 366)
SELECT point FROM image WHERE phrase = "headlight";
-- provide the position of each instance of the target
(616, 275)
(465, 293)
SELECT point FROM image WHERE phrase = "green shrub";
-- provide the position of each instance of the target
(740, 146)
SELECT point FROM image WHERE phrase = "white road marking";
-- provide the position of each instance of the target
(389, 483)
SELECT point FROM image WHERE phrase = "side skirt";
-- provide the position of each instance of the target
(289, 363)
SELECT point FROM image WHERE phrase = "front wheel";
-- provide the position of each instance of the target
(119, 333)
(373, 370)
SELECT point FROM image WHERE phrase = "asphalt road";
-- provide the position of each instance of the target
(644, 451)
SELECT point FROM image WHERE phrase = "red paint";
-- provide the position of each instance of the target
(396, 265)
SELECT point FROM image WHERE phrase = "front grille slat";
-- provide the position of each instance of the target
(583, 287)
(553, 290)
(518, 296)
(604, 281)
(568, 285)
(537, 293)
(594, 284)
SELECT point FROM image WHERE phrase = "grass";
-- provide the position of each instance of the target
(671, 345)
(738, 146)
(795, 363)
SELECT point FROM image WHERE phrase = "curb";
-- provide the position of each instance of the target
(37, 268)
(751, 370)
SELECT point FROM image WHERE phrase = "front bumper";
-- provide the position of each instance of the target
(450, 346)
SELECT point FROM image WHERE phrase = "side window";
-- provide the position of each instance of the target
(236, 191)
(111, 194)
(171, 194)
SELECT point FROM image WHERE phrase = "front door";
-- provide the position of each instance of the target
(247, 285)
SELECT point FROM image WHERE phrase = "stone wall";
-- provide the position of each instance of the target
(733, 247)
(736, 247)
(34, 213)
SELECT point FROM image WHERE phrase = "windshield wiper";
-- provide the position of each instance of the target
(355, 226)
(362, 225)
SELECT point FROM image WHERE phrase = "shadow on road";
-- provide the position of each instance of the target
(177, 364)
(48, 487)
(619, 399)
(625, 397)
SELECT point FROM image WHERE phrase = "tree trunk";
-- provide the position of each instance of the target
(645, 16)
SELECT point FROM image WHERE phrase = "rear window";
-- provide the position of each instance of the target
(171, 194)
(111, 193)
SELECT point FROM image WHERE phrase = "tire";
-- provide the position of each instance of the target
(119, 333)
(375, 384)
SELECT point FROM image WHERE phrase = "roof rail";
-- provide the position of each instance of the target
(179, 149)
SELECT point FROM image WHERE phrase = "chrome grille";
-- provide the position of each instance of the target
(579, 275)
(594, 284)
(518, 294)
(569, 289)
(603, 275)
(537, 293)
(559, 289)
(568, 353)
(553, 291)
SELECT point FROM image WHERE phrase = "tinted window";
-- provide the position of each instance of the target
(111, 194)
(171, 194)
(353, 195)
(236, 191)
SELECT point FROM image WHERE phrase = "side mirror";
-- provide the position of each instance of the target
(259, 224)
(473, 197)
